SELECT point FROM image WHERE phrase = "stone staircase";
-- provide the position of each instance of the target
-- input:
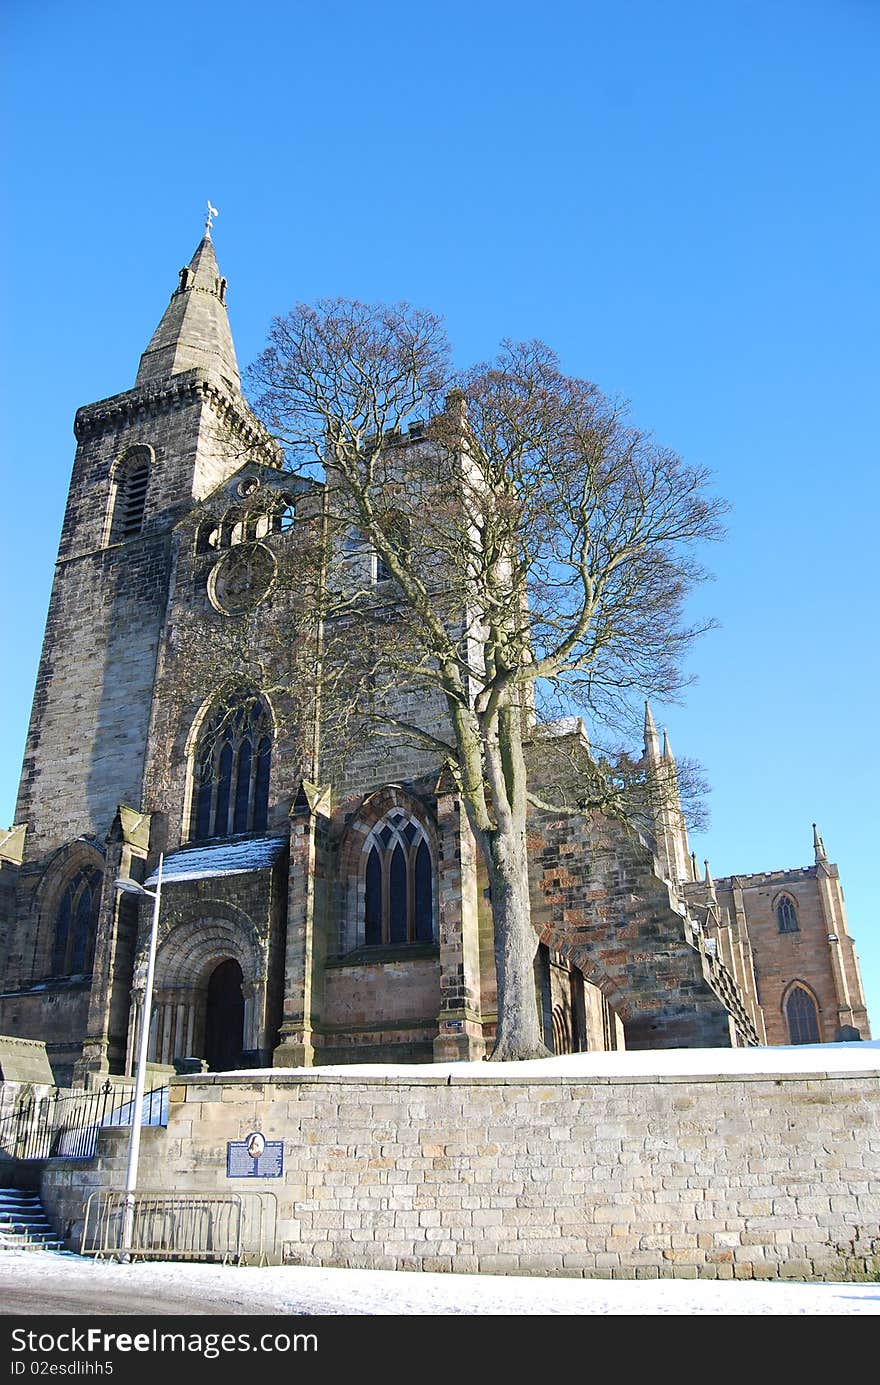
(23, 1223)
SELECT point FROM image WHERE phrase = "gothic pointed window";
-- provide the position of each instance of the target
(76, 923)
(231, 773)
(397, 531)
(786, 915)
(130, 495)
(802, 1017)
(398, 883)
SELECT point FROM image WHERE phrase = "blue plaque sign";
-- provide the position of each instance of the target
(254, 1157)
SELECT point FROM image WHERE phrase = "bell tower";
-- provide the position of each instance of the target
(143, 458)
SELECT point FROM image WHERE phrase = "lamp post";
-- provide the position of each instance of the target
(134, 1143)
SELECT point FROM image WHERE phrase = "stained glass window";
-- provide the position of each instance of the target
(231, 789)
(398, 883)
(786, 915)
(803, 1019)
(76, 923)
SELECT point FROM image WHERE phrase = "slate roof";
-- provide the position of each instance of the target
(225, 858)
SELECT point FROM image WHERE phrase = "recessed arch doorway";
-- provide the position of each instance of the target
(209, 997)
(224, 1017)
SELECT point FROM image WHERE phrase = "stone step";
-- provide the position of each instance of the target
(24, 1224)
(19, 1238)
(31, 1245)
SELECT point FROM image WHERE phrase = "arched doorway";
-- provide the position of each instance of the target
(224, 1017)
(210, 993)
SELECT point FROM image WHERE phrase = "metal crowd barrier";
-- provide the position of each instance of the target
(230, 1228)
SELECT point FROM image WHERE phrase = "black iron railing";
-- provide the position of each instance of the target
(64, 1124)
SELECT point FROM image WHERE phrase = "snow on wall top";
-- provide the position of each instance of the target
(644, 1064)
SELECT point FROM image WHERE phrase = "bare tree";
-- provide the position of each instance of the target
(532, 550)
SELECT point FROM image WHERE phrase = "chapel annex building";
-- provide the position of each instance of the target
(318, 910)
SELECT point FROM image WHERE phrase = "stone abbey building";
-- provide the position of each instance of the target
(318, 909)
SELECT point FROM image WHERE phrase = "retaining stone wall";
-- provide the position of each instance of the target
(724, 1177)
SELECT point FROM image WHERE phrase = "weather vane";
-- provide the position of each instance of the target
(209, 219)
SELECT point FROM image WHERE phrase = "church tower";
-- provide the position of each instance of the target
(144, 459)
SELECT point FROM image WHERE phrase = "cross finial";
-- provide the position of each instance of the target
(209, 219)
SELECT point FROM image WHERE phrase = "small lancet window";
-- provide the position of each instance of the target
(383, 571)
(802, 1017)
(232, 530)
(208, 536)
(131, 496)
(786, 915)
(284, 517)
(231, 780)
(398, 884)
(76, 923)
(397, 533)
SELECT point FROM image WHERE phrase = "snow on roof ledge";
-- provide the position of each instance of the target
(564, 726)
(225, 858)
(810, 1060)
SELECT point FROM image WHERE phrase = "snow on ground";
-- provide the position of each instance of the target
(665, 1062)
(296, 1289)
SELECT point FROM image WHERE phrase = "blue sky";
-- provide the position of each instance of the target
(681, 198)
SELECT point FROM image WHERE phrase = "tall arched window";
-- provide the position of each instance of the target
(786, 915)
(76, 923)
(231, 778)
(132, 479)
(802, 1017)
(398, 883)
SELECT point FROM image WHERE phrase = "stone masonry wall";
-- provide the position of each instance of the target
(712, 1177)
(54, 1012)
(597, 899)
(375, 1011)
(89, 725)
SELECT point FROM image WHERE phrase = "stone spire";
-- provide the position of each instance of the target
(709, 882)
(670, 831)
(819, 848)
(652, 740)
(194, 330)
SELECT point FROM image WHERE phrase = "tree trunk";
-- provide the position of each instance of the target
(519, 1032)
